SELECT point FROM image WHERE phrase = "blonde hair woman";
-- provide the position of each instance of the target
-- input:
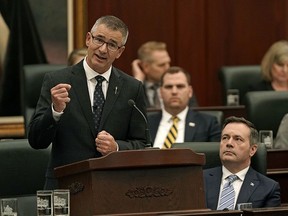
(274, 68)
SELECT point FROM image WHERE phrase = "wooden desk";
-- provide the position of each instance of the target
(12, 127)
(279, 211)
(202, 212)
(277, 169)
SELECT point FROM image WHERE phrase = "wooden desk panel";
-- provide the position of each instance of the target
(12, 127)
(202, 212)
(279, 211)
(277, 169)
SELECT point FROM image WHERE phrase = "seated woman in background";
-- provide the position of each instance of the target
(274, 69)
(281, 140)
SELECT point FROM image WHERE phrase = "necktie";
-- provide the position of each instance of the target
(228, 194)
(156, 101)
(98, 102)
(172, 134)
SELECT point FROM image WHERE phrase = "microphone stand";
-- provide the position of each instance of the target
(147, 133)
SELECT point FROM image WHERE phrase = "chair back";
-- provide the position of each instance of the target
(31, 83)
(211, 151)
(217, 113)
(265, 109)
(238, 77)
(22, 168)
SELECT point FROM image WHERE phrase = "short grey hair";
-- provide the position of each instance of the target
(113, 23)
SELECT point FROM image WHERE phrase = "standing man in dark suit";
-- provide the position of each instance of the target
(176, 91)
(238, 144)
(65, 111)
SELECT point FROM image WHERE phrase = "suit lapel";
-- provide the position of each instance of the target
(79, 79)
(114, 88)
(189, 126)
(154, 124)
(213, 184)
(251, 182)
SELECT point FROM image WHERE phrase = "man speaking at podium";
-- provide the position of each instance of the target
(83, 110)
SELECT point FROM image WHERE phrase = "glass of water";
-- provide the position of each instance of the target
(45, 203)
(9, 207)
(61, 202)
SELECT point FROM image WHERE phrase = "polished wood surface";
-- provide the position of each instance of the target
(133, 181)
(276, 211)
(12, 127)
(205, 212)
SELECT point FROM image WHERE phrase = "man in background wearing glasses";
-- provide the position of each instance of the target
(83, 110)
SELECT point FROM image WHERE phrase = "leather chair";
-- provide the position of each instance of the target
(217, 113)
(22, 173)
(22, 167)
(31, 83)
(265, 109)
(238, 77)
(211, 151)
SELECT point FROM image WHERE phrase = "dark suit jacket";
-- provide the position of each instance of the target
(206, 129)
(73, 136)
(258, 189)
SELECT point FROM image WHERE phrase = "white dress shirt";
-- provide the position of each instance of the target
(91, 83)
(237, 184)
(165, 125)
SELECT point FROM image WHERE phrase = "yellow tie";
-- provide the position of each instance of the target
(172, 134)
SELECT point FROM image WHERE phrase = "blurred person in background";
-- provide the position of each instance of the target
(76, 56)
(153, 60)
(281, 140)
(274, 69)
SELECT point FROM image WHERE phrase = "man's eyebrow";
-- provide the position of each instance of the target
(103, 37)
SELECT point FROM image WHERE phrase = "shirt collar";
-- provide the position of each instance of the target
(148, 84)
(90, 73)
(241, 175)
(167, 116)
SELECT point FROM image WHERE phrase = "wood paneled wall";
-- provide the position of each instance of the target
(202, 35)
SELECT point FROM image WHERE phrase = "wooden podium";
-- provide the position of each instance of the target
(134, 181)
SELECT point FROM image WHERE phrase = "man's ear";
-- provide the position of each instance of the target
(145, 67)
(253, 149)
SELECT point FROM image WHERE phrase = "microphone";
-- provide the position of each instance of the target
(147, 134)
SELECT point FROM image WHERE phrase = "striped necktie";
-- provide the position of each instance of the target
(228, 194)
(172, 134)
(98, 101)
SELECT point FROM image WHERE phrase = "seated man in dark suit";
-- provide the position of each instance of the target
(153, 60)
(188, 125)
(236, 179)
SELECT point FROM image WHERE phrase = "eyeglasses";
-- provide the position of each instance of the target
(99, 42)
